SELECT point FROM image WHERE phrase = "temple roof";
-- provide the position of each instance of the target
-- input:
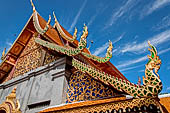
(36, 24)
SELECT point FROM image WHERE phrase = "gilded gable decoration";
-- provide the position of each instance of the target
(11, 104)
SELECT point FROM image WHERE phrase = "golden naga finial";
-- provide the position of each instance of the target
(75, 34)
(56, 21)
(49, 20)
(110, 46)
(154, 61)
(55, 17)
(33, 6)
(3, 54)
(85, 32)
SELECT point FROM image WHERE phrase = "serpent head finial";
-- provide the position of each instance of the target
(85, 32)
(154, 61)
(109, 50)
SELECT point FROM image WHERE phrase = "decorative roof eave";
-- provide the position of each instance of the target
(75, 105)
(19, 35)
(10, 57)
(101, 59)
(48, 32)
(37, 24)
(62, 33)
(44, 28)
(103, 105)
(66, 50)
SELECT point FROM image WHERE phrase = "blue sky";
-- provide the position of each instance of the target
(129, 24)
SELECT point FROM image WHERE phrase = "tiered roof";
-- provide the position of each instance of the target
(57, 39)
(57, 35)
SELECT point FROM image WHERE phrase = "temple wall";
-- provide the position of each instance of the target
(39, 88)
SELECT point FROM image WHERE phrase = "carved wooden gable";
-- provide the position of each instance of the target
(30, 58)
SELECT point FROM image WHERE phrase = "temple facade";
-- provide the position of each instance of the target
(48, 70)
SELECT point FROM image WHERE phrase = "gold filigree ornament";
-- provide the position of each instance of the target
(11, 104)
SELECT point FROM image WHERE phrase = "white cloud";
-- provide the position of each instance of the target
(104, 46)
(165, 23)
(157, 4)
(129, 68)
(164, 51)
(126, 7)
(77, 16)
(131, 62)
(141, 59)
(100, 10)
(155, 40)
(92, 19)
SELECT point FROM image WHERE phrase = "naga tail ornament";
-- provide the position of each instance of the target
(70, 51)
(152, 85)
(101, 59)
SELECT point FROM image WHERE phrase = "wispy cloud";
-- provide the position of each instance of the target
(104, 46)
(101, 49)
(164, 23)
(138, 60)
(131, 62)
(150, 8)
(92, 19)
(99, 10)
(129, 68)
(141, 47)
(77, 16)
(164, 51)
(126, 7)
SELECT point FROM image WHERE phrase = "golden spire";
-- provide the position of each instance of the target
(33, 7)
(3, 54)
